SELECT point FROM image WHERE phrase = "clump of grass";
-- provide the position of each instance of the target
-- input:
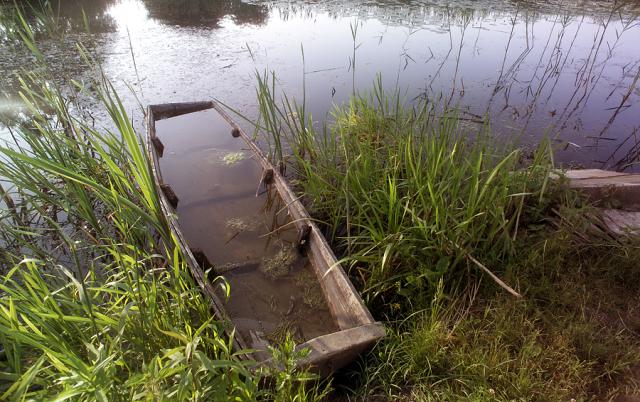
(126, 331)
(290, 382)
(104, 307)
(406, 195)
(573, 336)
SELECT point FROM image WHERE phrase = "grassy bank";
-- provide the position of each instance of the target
(104, 309)
(96, 300)
(494, 282)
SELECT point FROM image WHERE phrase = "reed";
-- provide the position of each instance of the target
(408, 196)
(428, 216)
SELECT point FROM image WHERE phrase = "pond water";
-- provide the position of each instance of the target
(567, 70)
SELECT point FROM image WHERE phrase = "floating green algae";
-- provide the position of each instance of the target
(244, 223)
(280, 264)
(236, 224)
(232, 158)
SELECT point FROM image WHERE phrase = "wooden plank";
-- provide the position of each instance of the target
(621, 223)
(607, 188)
(590, 174)
(331, 352)
(168, 110)
(617, 194)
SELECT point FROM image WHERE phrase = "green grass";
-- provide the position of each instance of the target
(420, 210)
(574, 334)
(96, 300)
(418, 207)
(107, 309)
(407, 196)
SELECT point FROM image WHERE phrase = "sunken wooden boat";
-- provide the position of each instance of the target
(332, 345)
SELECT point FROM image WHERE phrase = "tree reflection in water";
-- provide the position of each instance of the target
(205, 12)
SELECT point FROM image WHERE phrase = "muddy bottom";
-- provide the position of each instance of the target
(244, 231)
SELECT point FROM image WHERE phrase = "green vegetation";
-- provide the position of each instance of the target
(428, 218)
(437, 227)
(96, 300)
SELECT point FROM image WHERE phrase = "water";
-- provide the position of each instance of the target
(531, 68)
(248, 238)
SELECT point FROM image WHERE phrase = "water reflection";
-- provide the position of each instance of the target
(565, 70)
(67, 14)
(205, 12)
(417, 13)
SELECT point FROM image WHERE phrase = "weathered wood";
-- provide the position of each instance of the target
(303, 237)
(621, 223)
(201, 258)
(606, 188)
(267, 177)
(333, 351)
(169, 110)
(158, 144)
(265, 180)
(617, 194)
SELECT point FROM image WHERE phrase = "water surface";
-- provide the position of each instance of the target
(567, 70)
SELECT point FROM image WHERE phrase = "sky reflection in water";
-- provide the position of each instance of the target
(534, 71)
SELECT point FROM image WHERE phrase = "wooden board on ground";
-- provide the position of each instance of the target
(616, 194)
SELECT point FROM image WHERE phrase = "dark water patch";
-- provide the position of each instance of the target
(205, 12)
(243, 230)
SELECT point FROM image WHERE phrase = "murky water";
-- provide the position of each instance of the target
(567, 70)
(243, 229)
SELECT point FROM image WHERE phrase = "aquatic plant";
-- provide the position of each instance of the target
(313, 298)
(279, 264)
(312, 295)
(236, 224)
(233, 157)
(407, 197)
(285, 329)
